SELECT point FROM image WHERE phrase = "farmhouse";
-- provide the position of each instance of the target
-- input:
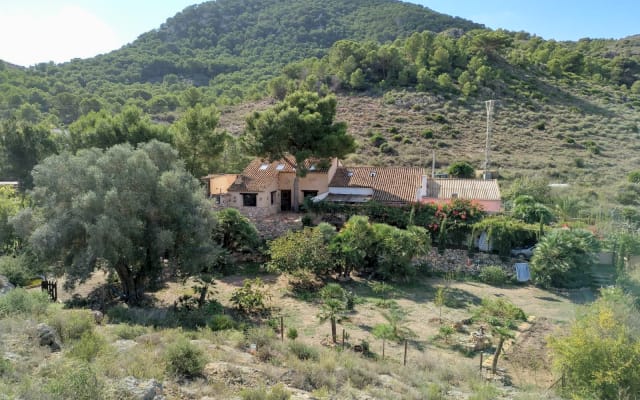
(265, 188)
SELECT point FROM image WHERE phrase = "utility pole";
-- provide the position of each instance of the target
(489, 105)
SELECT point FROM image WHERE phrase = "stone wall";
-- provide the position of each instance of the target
(455, 260)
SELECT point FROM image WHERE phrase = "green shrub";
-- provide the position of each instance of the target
(221, 322)
(20, 301)
(5, 367)
(397, 137)
(427, 134)
(493, 275)
(76, 380)
(251, 297)
(292, 333)
(386, 148)
(485, 392)
(235, 232)
(303, 351)
(129, 332)
(72, 324)
(445, 332)
(278, 392)
(184, 359)
(88, 347)
(377, 139)
(307, 220)
(16, 269)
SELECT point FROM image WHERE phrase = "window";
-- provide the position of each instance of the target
(217, 199)
(280, 167)
(309, 193)
(273, 197)
(264, 167)
(249, 199)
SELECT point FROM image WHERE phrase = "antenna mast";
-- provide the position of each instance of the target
(489, 105)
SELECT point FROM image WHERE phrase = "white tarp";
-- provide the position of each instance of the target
(522, 272)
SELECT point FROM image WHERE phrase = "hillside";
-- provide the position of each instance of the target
(410, 81)
(251, 38)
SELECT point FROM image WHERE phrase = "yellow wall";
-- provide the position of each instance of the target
(313, 181)
(219, 184)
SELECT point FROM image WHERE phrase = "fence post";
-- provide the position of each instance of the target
(405, 353)
(281, 328)
(342, 338)
(481, 354)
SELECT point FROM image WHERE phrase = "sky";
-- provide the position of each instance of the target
(34, 31)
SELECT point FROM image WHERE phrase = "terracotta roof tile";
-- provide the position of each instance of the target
(259, 174)
(475, 189)
(389, 184)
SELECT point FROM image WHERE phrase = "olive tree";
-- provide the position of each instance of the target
(124, 209)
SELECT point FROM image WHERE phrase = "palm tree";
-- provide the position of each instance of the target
(334, 305)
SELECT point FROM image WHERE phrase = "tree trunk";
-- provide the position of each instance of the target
(132, 285)
(204, 289)
(494, 364)
(334, 335)
(296, 189)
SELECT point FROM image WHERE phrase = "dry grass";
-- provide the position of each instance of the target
(433, 371)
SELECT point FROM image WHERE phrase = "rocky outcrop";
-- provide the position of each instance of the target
(5, 285)
(47, 336)
(140, 389)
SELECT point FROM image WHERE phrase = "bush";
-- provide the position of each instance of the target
(88, 347)
(427, 134)
(19, 301)
(129, 332)
(307, 220)
(493, 275)
(184, 359)
(235, 232)
(78, 381)
(72, 324)
(600, 353)
(292, 334)
(251, 297)
(221, 322)
(303, 352)
(16, 269)
(378, 140)
(278, 392)
(461, 169)
(5, 367)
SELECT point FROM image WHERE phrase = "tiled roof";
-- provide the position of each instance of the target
(389, 184)
(259, 174)
(470, 189)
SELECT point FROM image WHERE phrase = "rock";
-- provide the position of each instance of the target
(141, 389)
(48, 336)
(5, 285)
(97, 316)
